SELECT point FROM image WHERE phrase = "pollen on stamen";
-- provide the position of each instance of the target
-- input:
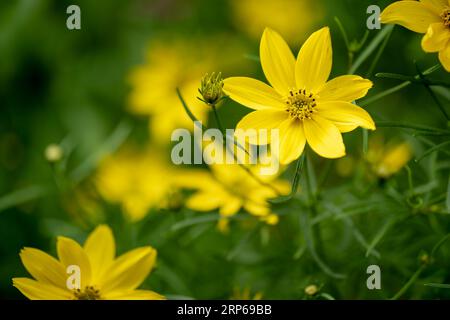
(446, 17)
(300, 104)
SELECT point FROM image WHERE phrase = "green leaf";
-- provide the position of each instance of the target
(21, 196)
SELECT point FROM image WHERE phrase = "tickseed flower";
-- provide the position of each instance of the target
(211, 88)
(301, 103)
(229, 189)
(138, 180)
(430, 17)
(388, 159)
(102, 276)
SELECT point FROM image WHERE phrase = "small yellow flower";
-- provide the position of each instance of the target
(388, 159)
(138, 180)
(301, 103)
(102, 276)
(245, 294)
(431, 17)
(229, 188)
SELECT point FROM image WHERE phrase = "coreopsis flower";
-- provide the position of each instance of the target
(290, 17)
(102, 275)
(229, 189)
(300, 102)
(137, 180)
(386, 159)
(430, 17)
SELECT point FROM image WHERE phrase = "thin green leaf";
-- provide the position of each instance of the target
(21, 196)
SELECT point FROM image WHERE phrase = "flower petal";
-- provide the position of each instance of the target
(71, 253)
(436, 38)
(231, 207)
(134, 295)
(345, 88)
(314, 61)
(43, 267)
(277, 61)
(437, 6)
(100, 249)
(292, 141)
(345, 115)
(444, 56)
(412, 15)
(324, 137)
(204, 201)
(35, 290)
(252, 93)
(128, 271)
(252, 125)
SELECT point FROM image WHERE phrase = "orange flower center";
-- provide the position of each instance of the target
(89, 293)
(446, 17)
(300, 104)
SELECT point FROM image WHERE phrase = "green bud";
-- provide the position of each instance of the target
(211, 88)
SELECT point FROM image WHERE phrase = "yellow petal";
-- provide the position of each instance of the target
(71, 253)
(345, 115)
(437, 6)
(292, 141)
(324, 137)
(345, 88)
(253, 124)
(101, 249)
(43, 267)
(134, 295)
(128, 271)
(410, 14)
(35, 290)
(436, 38)
(277, 61)
(231, 207)
(444, 57)
(204, 201)
(252, 93)
(314, 61)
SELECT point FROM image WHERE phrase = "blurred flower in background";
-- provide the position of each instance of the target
(386, 159)
(102, 276)
(178, 64)
(245, 294)
(229, 188)
(138, 180)
(292, 18)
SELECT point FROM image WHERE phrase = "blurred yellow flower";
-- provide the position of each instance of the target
(229, 188)
(290, 17)
(245, 294)
(138, 180)
(431, 17)
(178, 64)
(102, 276)
(301, 103)
(388, 159)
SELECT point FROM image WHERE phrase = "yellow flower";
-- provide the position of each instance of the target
(229, 188)
(102, 276)
(168, 66)
(431, 17)
(290, 17)
(138, 180)
(245, 294)
(301, 103)
(388, 159)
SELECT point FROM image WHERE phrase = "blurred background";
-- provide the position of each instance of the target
(85, 123)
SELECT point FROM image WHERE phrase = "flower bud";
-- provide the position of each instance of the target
(211, 88)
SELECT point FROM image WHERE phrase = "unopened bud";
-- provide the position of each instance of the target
(53, 153)
(211, 88)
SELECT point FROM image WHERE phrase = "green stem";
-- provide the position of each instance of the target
(409, 283)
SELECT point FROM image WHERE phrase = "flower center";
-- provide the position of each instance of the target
(89, 293)
(446, 17)
(300, 104)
